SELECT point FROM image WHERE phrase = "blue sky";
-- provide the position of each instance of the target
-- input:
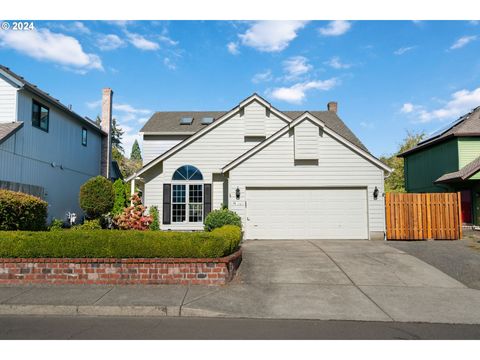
(387, 76)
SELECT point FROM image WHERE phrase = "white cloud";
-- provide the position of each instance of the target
(130, 134)
(271, 36)
(296, 66)
(335, 63)
(461, 42)
(169, 64)
(407, 108)
(165, 39)
(296, 94)
(42, 44)
(403, 50)
(367, 125)
(74, 27)
(106, 42)
(140, 42)
(232, 48)
(460, 103)
(335, 28)
(262, 77)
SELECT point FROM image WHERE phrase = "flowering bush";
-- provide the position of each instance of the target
(133, 217)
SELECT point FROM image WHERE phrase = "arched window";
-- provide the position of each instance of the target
(187, 173)
(187, 195)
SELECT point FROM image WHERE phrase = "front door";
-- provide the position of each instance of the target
(466, 196)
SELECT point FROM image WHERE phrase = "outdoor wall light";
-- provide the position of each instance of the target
(375, 193)
(237, 193)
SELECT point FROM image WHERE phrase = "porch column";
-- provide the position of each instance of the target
(132, 189)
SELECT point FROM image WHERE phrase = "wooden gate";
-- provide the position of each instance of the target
(423, 216)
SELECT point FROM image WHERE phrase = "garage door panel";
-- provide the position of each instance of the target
(306, 213)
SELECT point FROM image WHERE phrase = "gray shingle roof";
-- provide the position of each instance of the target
(8, 129)
(169, 122)
(33, 88)
(466, 125)
(463, 174)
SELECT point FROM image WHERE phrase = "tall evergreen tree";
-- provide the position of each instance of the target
(136, 154)
(117, 133)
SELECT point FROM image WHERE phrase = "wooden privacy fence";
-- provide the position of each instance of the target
(423, 216)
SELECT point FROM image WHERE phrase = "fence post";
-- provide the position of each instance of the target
(460, 222)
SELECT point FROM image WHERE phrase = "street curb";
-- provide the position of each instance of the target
(90, 310)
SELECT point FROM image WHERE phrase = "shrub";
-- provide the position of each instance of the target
(120, 197)
(155, 224)
(96, 197)
(19, 211)
(89, 225)
(133, 217)
(219, 218)
(56, 225)
(120, 244)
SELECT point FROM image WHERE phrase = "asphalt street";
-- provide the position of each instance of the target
(123, 328)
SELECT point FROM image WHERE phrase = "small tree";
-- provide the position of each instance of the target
(396, 181)
(120, 197)
(155, 225)
(133, 217)
(97, 197)
(136, 154)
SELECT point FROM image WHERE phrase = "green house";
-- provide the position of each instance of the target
(449, 160)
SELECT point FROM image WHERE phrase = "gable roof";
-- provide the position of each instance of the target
(255, 97)
(465, 125)
(8, 129)
(306, 116)
(463, 174)
(22, 83)
(168, 122)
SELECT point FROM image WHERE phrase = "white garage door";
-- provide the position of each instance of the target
(306, 213)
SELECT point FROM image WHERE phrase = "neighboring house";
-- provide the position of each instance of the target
(289, 175)
(48, 150)
(449, 160)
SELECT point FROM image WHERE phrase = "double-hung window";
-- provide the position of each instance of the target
(40, 116)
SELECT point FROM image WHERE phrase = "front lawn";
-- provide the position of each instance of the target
(119, 243)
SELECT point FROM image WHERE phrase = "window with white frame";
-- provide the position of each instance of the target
(187, 195)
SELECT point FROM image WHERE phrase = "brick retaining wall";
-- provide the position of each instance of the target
(120, 271)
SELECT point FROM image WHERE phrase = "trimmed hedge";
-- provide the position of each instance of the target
(219, 218)
(19, 211)
(120, 244)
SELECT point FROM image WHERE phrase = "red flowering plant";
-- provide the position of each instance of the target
(133, 217)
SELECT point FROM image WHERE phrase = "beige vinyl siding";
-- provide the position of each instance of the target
(255, 116)
(306, 141)
(8, 101)
(338, 166)
(155, 145)
(209, 153)
(28, 155)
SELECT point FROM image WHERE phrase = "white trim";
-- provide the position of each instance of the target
(206, 129)
(290, 126)
(187, 184)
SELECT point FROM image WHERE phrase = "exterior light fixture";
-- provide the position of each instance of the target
(237, 193)
(375, 193)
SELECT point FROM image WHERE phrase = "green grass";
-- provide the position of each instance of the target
(119, 243)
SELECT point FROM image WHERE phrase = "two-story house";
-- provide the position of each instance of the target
(288, 174)
(48, 150)
(449, 160)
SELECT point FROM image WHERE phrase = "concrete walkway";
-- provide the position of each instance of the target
(324, 280)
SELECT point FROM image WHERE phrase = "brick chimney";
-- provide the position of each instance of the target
(332, 106)
(106, 125)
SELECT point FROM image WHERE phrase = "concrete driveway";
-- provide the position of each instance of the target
(342, 280)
